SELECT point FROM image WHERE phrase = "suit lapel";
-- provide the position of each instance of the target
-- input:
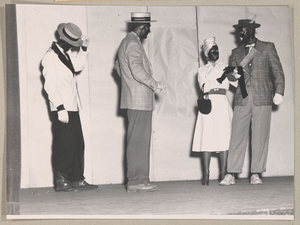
(259, 47)
(62, 58)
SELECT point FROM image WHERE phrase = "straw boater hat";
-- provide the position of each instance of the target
(70, 33)
(247, 23)
(140, 17)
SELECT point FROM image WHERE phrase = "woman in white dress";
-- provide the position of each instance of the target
(212, 131)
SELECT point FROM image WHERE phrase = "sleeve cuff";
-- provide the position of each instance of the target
(60, 107)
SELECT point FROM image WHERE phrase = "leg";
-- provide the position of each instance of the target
(78, 182)
(223, 163)
(61, 154)
(206, 164)
(239, 138)
(261, 121)
(138, 146)
(68, 147)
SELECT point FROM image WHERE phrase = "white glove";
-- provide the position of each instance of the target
(160, 87)
(86, 41)
(278, 98)
(63, 116)
(235, 74)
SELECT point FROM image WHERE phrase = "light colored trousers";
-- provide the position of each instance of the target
(138, 146)
(259, 117)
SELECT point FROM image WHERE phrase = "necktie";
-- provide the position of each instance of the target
(249, 47)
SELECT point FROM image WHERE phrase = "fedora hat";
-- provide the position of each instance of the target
(140, 17)
(246, 23)
(70, 33)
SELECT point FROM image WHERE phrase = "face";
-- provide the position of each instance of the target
(145, 30)
(213, 54)
(245, 34)
(65, 45)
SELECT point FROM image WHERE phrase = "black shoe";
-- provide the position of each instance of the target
(63, 186)
(61, 183)
(83, 185)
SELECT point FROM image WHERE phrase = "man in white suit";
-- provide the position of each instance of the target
(137, 96)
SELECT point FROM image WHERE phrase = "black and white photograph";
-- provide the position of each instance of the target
(150, 112)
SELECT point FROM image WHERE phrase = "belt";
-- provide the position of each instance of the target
(219, 91)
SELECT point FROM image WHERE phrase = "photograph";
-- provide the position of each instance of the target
(150, 112)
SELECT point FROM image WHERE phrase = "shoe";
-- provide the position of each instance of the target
(228, 180)
(255, 179)
(83, 185)
(141, 187)
(205, 179)
(61, 184)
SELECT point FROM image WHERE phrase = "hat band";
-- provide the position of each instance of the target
(140, 18)
(68, 36)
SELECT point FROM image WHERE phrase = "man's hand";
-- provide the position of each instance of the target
(278, 98)
(86, 41)
(160, 87)
(63, 116)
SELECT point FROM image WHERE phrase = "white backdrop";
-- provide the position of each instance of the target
(172, 49)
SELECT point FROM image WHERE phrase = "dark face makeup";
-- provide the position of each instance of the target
(145, 31)
(213, 54)
(245, 34)
(64, 45)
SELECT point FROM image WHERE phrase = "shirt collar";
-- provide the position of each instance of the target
(136, 35)
(60, 49)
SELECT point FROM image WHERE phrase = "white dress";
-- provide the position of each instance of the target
(213, 131)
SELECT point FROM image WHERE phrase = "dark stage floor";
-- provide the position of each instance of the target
(173, 199)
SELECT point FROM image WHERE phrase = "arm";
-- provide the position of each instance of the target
(232, 64)
(204, 81)
(276, 67)
(135, 61)
(117, 67)
(79, 58)
(50, 74)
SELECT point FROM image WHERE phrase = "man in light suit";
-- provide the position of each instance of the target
(137, 96)
(64, 59)
(253, 100)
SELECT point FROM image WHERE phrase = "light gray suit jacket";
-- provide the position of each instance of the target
(263, 75)
(133, 66)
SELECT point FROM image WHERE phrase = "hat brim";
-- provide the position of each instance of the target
(60, 28)
(147, 21)
(255, 25)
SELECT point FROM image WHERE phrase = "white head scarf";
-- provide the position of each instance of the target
(208, 44)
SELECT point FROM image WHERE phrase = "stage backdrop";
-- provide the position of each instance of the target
(172, 47)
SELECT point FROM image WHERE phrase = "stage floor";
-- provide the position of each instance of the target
(174, 199)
